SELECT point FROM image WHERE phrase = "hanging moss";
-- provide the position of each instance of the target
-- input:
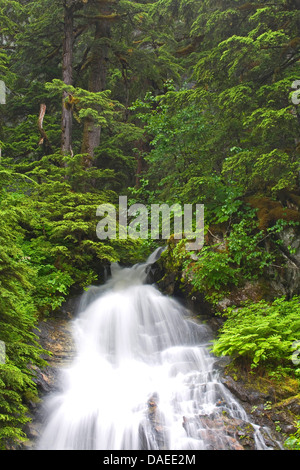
(270, 211)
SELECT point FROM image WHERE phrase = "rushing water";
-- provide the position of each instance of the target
(142, 377)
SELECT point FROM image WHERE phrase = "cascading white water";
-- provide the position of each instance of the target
(142, 378)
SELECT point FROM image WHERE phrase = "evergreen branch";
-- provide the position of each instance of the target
(290, 61)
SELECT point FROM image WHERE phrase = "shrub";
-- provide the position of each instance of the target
(261, 332)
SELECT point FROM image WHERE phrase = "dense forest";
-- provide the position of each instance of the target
(167, 101)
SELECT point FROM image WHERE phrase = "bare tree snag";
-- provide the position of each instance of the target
(44, 141)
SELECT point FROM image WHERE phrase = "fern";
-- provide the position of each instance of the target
(261, 333)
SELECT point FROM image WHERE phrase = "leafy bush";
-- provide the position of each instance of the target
(237, 258)
(293, 441)
(212, 271)
(261, 332)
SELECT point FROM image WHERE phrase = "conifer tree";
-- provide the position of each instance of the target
(18, 317)
(249, 60)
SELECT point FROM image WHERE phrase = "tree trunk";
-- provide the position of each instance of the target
(67, 111)
(97, 82)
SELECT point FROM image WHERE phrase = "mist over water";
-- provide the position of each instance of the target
(142, 377)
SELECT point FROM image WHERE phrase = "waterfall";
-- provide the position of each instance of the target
(142, 377)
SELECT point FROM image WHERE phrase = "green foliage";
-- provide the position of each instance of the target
(261, 333)
(240, 256)
(176, 136)
(212, 272)
(195, 107)
(293, 441)
(255, 52)
(94, 105)
(48, 246)
(18, 315)
(63, 244)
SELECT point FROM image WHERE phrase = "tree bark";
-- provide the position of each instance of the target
(97, 82)
(67, 76)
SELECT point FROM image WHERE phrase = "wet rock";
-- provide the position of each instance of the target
(251, 291)
(236, 389)
(55, 336)
(268, 406)
(157, 422)
(222, 432)
(222, 362)
(292, 404)
(32, 431)
(285, 414)
(288, 278)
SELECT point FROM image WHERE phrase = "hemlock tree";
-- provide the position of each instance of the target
(240, 61)
(249, 60)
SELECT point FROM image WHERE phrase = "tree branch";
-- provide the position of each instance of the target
(111, 17)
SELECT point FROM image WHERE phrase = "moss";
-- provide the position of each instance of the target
(270, 211)
(190, 47)
(280, 387)
(186, 50)
(31, 396)
(288, 402)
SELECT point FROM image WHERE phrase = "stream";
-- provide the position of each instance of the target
(142, 377)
